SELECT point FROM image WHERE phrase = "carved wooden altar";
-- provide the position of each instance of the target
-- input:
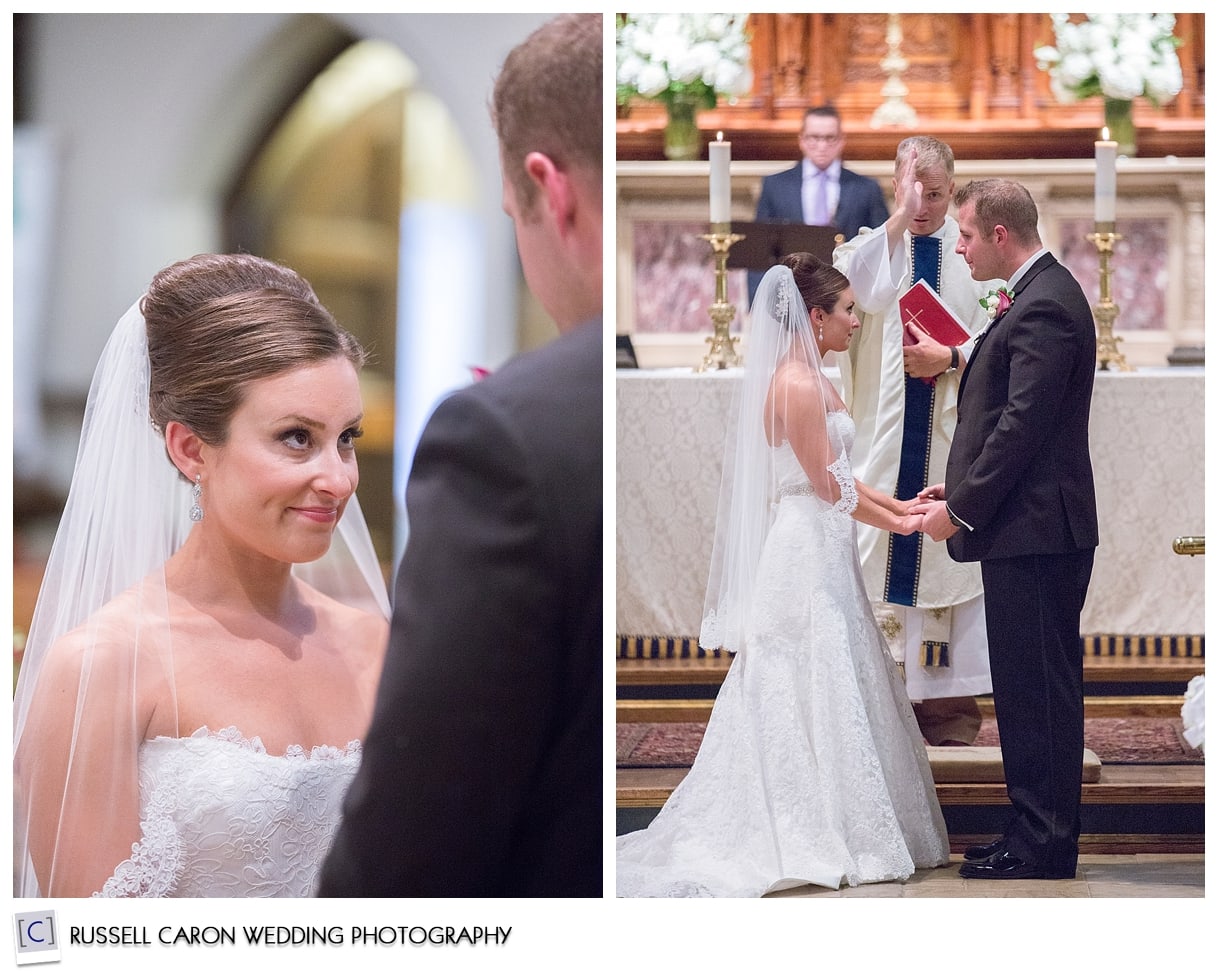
(971, 78)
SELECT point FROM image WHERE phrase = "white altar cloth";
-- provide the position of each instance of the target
(1147, 450)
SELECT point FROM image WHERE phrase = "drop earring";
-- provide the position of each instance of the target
(820, 331)
(196, 490)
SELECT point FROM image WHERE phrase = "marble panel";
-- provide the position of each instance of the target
(1139, 268)
(674, 277)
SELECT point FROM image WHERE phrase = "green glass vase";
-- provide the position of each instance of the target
(681, 139)
(1118, 117)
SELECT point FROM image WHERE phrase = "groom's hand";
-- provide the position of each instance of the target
(936, 524)
(926, 357)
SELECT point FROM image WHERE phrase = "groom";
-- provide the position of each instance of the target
(481, 773)
(1020, 498)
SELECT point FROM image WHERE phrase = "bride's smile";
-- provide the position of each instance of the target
(318, 514)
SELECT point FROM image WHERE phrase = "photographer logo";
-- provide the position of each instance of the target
(36, 937)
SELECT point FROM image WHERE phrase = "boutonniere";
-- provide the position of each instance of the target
(478, 372)
(997, 302)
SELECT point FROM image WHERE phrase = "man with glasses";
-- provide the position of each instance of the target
(818, 190)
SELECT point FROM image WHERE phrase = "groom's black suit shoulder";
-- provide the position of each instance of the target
(1019, 471)
(482, 770)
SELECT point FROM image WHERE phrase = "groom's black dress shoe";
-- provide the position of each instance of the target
(1006, 866)
(979, 852)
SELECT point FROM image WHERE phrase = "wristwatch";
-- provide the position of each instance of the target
(956, 521)
(955, 359)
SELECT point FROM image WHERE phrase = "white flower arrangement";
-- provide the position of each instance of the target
(1119, 56)
(664, 56)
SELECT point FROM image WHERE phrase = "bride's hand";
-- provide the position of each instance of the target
(909, 523)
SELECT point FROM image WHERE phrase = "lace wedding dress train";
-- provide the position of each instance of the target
(222, 818)
(812, 769)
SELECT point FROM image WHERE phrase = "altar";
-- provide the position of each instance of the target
(664, 277)
(1147, 451)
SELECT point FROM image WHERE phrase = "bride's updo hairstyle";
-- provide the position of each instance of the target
(216, 322)
(820, 284)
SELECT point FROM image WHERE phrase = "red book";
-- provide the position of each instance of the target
(922, 306)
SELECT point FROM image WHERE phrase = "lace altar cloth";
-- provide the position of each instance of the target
(812, 769)
(1147, 440)
(222, 818)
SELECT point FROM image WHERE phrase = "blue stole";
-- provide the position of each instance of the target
(905, 553)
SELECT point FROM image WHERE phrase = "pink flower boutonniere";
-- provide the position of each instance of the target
(478, 372)
(997, 302)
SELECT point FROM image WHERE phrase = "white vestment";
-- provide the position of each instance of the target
(873, 387)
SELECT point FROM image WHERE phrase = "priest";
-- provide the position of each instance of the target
(900, 386)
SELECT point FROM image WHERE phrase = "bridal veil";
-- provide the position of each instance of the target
(100, 630)
(783, 376)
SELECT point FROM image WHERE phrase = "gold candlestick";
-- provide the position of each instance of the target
(1106, 311)
(722, 351)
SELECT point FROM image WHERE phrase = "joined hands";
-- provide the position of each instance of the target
(932, 507)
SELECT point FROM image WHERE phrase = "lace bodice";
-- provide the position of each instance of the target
(221, 817)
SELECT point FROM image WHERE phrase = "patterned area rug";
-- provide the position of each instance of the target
(1142, 740)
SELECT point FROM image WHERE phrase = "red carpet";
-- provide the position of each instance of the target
(1143, 740)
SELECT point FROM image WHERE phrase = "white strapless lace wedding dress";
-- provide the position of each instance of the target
(812, 769)
(222, 818)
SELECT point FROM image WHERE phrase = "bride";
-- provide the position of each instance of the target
(190, 704)
(812, 769)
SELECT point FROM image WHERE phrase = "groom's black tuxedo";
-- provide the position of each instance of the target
(1019, 474)
(481, 774)
(1019, 471)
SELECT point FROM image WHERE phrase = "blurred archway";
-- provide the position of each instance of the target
(333, 192)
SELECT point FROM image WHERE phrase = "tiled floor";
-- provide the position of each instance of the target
(1099, 876)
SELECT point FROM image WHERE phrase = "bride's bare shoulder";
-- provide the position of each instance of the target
(354, 629)
(122, 638)
(796, 386)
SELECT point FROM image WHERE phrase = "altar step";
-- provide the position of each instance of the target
(1180, 785)
(1094, 707)
(1126, 808)
(1163, 805)
(700, 677)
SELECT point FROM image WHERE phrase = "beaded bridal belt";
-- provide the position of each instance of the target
(796, 489)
